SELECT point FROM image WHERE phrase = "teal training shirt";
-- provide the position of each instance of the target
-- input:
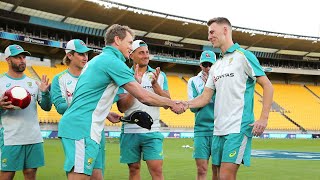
(204, 117)
(94, 95)
(62, 88)
(233, 77)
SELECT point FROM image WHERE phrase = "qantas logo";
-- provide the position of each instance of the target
(216, 78)
(147, 87)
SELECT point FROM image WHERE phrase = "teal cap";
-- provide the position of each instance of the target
(208, 56)
(77, 45)
(14, 50)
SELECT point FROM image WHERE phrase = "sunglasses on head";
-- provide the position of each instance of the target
(206, 64)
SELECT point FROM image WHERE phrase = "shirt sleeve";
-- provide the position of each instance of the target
(252, 66)
(192, 93)
(165, 82)
(58, 96)
(119, 72)
(210, 80)
(44, 100)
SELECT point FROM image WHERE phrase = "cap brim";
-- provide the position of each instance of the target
(21, 52)
(207, 60)
(83, 50)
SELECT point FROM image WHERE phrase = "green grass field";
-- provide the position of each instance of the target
(178, 163)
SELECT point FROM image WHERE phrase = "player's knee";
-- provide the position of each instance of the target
(96, 175)
(202, 169)
(215, 172)
(29, 174)
(226, 176)
(6, 175)
(156, 171)
(134, 167)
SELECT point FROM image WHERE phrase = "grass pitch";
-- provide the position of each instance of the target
(179, 165)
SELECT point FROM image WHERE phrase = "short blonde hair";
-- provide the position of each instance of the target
(117, 30)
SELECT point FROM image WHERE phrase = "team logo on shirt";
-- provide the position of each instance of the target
(8, 85)
(230, 60)
(216, 78)
(69, 82)
(150, 75)
(29, 84)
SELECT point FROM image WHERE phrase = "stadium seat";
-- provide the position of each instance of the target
(178, 91)
(276, 120)
(300, 105)
(315, 89)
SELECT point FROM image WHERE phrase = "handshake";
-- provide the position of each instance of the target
(179, 107)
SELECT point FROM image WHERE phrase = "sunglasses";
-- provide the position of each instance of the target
(206, 64)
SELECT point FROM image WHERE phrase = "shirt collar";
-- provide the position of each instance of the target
(149, 69)
(230, 49)
(115, 51)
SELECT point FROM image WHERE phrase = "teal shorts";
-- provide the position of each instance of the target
(147, 145)
(232, 148)
(202, 147)
(81, 155)
(100, 162)
(19, 157)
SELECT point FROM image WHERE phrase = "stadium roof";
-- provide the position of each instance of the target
(159, 25)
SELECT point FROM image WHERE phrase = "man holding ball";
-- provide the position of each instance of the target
(21, 143)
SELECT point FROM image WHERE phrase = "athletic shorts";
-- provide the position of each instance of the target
(202, 147)
(133, 146)
(232, 148)
(19, 157)
(80, 154)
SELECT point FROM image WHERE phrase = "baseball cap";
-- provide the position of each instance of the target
(77, 45)
(138, 43)
(208, 56)
(14, 50)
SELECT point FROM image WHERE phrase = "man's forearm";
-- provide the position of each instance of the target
(266, 101)
(157, 89)
(125, 102)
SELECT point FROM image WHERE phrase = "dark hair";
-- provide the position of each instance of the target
(116, 30)
(219, 20)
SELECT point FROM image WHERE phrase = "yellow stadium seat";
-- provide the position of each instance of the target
(299, 104)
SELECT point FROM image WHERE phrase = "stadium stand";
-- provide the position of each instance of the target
(3, 67)
(178, 90)
(49, 71)
(276, 120)
(314, 89)
(299, 104)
